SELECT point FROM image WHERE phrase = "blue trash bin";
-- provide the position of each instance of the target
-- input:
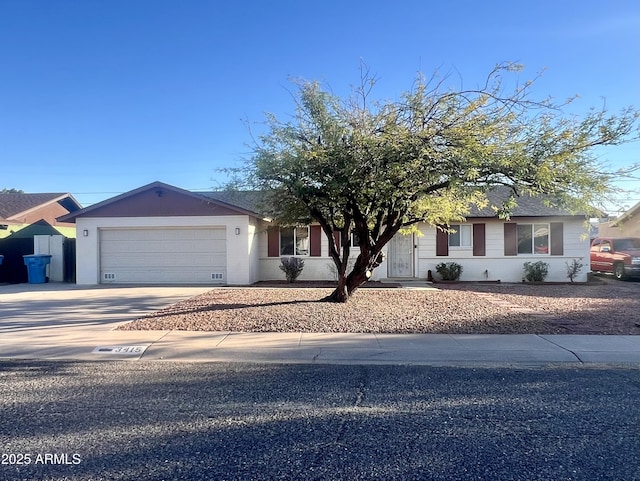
(37, 267)
(1, 257)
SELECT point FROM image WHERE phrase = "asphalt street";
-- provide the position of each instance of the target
(218, 421)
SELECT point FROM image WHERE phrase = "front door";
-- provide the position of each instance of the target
(400, 256)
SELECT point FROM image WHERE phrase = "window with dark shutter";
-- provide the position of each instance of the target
(273, 242)
(557, 241)
(315, 240)
(510, 239)
(479, 248)
(442, 242)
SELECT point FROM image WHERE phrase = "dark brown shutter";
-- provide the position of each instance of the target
(442, 242)
(557, 241)
(273, 242)
(478, 240)
(315, 240)
(511, 239)
(336, 238)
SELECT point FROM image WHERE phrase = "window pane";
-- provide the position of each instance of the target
(524, 239)
(454, 237)
(465, 235)
(302, 241)
(286, 241)
(541, 238)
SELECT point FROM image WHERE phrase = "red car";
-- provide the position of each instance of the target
(618, 256)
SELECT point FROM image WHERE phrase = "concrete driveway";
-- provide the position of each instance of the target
(59, 320)
(55, 305)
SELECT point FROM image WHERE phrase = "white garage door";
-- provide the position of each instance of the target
(163, 256)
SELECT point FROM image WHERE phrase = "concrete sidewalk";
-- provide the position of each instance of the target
(69, 322)
(429, 349)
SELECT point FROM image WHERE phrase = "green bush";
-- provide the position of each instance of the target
(536, 271)
(449, 271)
(292, 267)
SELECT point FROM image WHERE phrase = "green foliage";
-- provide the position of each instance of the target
(378, 167)
(292, 267)
(574, 268)
(536, 271)
(449, 271)
(11, 191)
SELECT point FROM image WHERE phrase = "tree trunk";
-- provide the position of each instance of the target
(341, 293)
(349, 284)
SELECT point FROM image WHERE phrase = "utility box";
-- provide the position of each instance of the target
(37, 267)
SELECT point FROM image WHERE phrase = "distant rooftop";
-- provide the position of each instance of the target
(13, 204)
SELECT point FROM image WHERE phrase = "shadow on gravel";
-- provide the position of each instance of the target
(222, 306)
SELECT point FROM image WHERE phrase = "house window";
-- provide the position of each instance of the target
(355, 240)
(294, 241)
(533, 239)
(460, 235)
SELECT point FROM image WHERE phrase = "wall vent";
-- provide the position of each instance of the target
(109, 276)
(217, 276)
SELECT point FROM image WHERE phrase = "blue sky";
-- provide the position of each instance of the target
(101, 97)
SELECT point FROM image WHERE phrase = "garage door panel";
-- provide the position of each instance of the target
(130, 259)
(157, 255)
(164, 234)
(159, 247)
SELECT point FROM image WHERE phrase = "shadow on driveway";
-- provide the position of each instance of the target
(38, 306)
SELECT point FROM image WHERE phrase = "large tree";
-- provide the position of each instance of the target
(374, 168)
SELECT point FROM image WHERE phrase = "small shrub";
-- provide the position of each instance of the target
(536, 271)
(292, 267)
(449, 271)
(574, 268)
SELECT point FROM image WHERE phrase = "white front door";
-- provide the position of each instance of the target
(400, 255)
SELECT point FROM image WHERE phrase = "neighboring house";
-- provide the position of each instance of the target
(28, 224)
(159, 233)
(626, 225)
(18, 211)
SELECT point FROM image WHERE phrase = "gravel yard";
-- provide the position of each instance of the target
(607, 308)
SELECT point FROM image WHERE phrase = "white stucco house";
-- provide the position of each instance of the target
(161, 234)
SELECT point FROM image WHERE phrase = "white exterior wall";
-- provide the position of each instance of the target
(238, 246)
(495, 265)
(319, 268)
(315, 268)
(491, 267)
(248, 262)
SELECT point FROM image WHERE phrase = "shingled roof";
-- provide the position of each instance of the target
(14, 204)
(250, 200)
(528, 206)
(253, 202)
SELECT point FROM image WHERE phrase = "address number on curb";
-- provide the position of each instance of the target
(123, 350)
